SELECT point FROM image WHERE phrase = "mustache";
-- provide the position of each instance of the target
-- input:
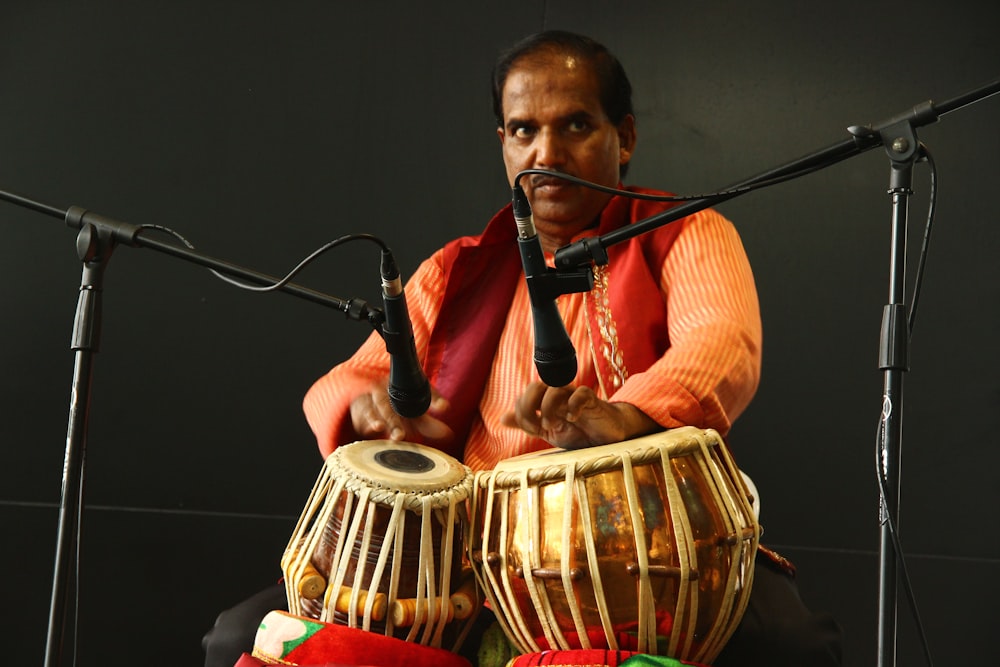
(538, 180)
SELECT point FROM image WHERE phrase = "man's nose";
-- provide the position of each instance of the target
(550, 152)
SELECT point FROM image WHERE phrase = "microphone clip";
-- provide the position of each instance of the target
(396, 342)
(556, 282)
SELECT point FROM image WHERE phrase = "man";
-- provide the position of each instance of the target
(670, 336)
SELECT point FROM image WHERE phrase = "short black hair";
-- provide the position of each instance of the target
(615, 88)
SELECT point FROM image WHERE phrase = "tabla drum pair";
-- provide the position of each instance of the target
(645, 545)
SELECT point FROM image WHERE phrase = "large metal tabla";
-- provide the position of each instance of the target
(646, 545)
(379, 545)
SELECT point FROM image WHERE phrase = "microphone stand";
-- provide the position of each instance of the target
(97, 238)
(898, 136)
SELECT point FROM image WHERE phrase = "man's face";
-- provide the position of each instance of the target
(553, 119)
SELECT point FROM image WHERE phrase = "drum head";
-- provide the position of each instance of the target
(401, 466)
(550, 464)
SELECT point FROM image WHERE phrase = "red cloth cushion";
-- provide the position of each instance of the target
(287, 639)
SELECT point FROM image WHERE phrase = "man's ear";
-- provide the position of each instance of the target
(626, 139)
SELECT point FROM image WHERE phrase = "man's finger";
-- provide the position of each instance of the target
(527, 407)
(581, 401)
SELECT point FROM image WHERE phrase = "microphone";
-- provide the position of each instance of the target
(409, 390)
(555, 357)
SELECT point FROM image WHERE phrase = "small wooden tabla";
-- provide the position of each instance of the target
(645, 545)
(379, 545)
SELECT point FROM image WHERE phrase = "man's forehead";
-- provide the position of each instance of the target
(552, 61)
(566, 87)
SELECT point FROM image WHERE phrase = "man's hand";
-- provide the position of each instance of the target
(373, 418)
(575, 417)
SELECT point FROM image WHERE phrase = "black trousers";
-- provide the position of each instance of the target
(777, 630)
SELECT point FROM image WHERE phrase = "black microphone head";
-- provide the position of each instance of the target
(414, 400)
(556, 368)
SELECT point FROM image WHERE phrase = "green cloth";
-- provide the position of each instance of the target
(495, 649)
(645, 660)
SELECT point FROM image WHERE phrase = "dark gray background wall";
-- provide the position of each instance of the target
(261, 130)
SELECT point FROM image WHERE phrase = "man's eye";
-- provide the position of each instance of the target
(522, 132)
(578, 126)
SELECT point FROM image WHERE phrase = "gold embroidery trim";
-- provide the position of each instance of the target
(609, 347)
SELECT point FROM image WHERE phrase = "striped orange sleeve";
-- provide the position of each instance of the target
(327, 403)
(711, 371)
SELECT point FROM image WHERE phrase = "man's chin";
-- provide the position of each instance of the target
(557, 216)
(555, 193)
